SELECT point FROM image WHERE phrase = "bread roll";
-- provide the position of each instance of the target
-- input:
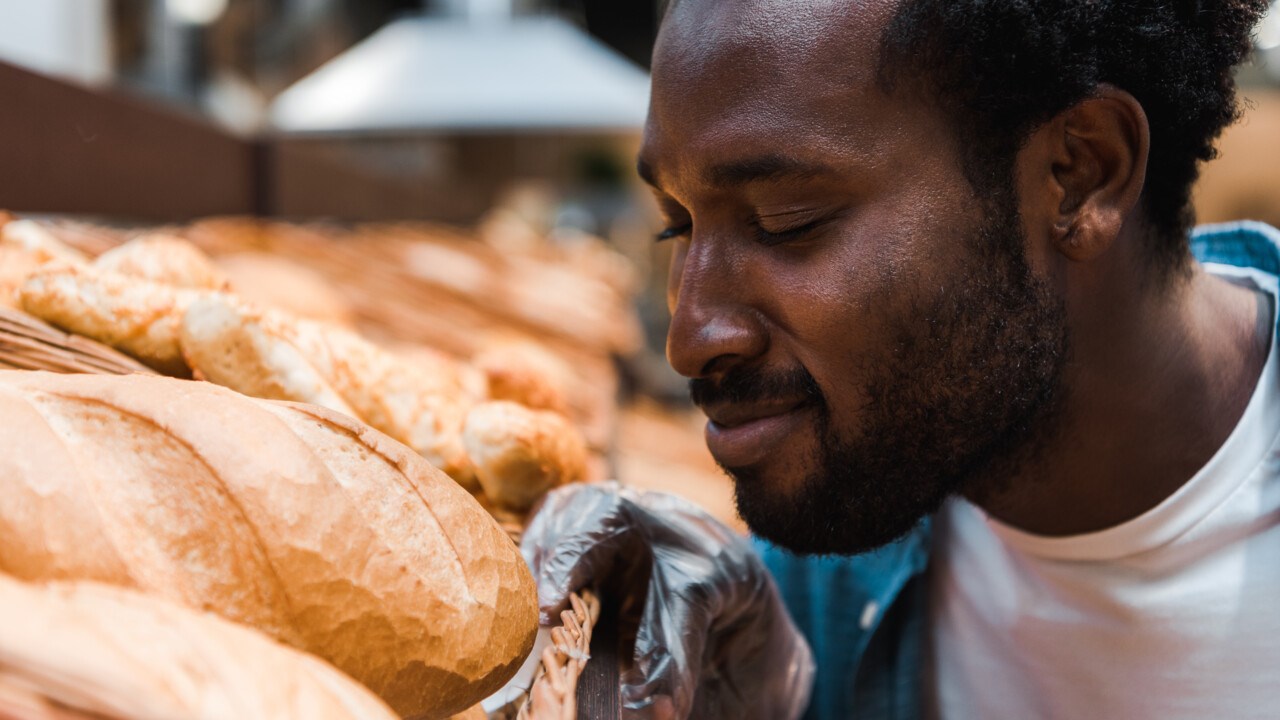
(274, 355)
(137, 317)
(520, 454)
(296, 520)
(84, 650)
(163, 259)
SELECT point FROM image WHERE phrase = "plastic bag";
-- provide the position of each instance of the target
(714, 639)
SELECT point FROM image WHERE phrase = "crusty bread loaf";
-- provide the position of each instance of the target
(520, 454)
(137, 317)
(86, 650)
(299, 521)
(163, 259)
(275, 355)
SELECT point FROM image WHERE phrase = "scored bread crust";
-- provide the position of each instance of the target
(299, 521)
(86, 650)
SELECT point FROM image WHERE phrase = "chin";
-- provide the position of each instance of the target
(808, 510)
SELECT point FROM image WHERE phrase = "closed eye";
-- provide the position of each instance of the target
(674, 232)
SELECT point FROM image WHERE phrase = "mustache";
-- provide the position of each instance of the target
(756, 384)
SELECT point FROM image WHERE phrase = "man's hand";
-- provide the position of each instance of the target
(714, 640)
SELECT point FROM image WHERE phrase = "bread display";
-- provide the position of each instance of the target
(301, 522)
(135, 316)
(520, 454)
(163, 259)
(90, 651)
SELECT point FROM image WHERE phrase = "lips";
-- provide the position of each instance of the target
(740, 435)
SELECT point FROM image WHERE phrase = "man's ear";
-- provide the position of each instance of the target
(1083, 172)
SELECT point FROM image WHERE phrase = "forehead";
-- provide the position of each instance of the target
(795, 77)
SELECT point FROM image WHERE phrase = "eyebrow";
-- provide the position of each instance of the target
(741, 172)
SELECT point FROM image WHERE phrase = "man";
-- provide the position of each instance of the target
(934, 288)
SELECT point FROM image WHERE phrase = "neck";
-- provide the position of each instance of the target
(1159, 376)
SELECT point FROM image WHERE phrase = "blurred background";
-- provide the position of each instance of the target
(509, 124)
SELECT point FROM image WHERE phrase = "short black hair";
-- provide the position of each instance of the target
(999, 69)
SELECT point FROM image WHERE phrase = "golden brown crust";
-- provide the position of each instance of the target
(137, 317)
(163, 259)
(300, 521)
(424, 411)
(520, 454)
(237, 346)
(276, 356)
(525, 373)
(84, 650)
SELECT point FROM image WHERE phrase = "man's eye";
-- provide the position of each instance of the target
(674, 232)
(779, 237)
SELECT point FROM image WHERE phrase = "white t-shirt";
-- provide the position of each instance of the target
(1172, 615)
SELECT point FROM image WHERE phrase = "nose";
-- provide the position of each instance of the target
(713, 323)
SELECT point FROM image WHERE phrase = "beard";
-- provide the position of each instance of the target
(972, 383)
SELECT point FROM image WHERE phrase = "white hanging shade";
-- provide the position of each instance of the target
(425, 74)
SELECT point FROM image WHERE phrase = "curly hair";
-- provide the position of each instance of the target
(1001, 68)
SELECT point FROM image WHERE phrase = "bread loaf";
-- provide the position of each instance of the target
(85, 650)
(296, 520)
(233, 345)
(163, 259)
(520, 454)
(137, 317)
(275, 355)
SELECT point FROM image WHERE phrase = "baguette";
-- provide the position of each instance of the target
(85, 650)
(275, 355)
(163, 259)
(296, 520)
(525, 373)
(234, 346)
(520, 454)
(136, 317)
(24, 248)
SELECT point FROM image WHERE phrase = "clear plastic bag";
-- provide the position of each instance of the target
(713, 638)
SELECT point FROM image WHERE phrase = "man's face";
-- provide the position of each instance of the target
(859, 325)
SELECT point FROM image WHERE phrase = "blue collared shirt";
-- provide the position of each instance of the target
(864, 616)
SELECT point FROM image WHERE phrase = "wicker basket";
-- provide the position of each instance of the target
(30, 344)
